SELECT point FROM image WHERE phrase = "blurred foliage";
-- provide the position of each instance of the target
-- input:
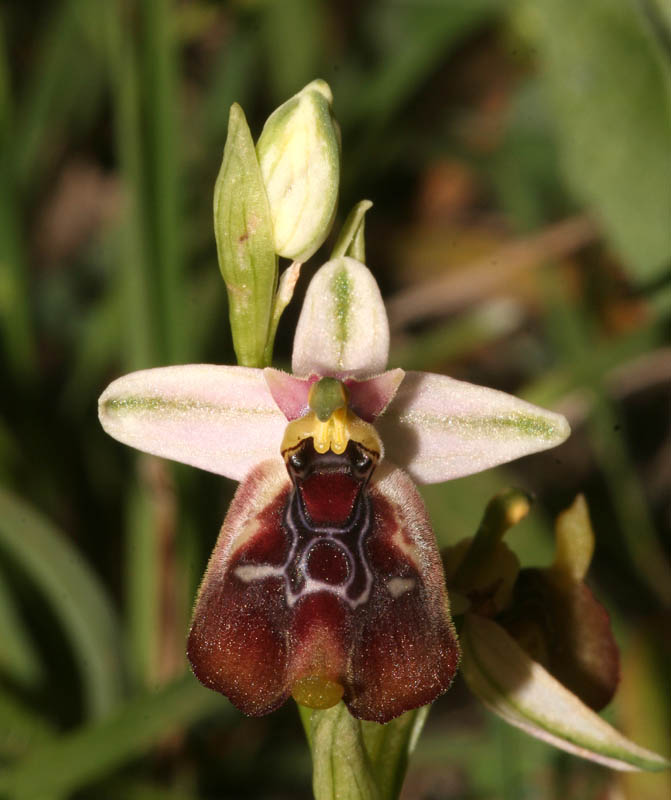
(470, 124)
(612, 107)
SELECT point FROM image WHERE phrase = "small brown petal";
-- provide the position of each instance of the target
(565, 628)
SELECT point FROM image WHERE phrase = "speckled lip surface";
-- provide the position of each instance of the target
(345, 589)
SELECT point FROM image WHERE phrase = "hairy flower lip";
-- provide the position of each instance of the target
(254, 641)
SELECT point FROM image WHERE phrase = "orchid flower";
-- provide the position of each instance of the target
(537, 645)
(326, 582)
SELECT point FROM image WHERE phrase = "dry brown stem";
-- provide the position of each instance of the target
(464, 286)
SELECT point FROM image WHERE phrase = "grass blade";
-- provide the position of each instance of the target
(73, 592)
(75, 759)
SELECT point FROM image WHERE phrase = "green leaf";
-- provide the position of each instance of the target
(21, 727)
(74, 594)
(57, 95)
(413, 37)
(18, 658)
(66, 764)
(525, 695)
(597, 365)
(142, 562)
(351, 238)
(15, 321)
(140, 341)
(611, 92)
(158, 75)
(301, 26)
(245, 246)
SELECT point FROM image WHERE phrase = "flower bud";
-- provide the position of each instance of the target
(299, 154)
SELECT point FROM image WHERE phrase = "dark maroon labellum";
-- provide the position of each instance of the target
(331, 580)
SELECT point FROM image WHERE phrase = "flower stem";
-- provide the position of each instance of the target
(503, 511)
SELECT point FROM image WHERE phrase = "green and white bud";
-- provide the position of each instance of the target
(299, 155)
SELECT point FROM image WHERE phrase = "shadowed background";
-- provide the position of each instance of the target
(519, 159)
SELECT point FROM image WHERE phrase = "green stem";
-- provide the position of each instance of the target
(359, 760)
(141, 345)
(341, 766)
(161, 164)
(502, 512)
(285, 291)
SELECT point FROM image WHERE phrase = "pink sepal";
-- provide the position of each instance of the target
(289, 392)
(368, 397)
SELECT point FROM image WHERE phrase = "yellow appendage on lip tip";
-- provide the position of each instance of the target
(314, 691)
(332, 434)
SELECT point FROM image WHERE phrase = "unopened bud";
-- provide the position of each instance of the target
(299, 154)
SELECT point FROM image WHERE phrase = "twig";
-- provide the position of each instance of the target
(463, 286)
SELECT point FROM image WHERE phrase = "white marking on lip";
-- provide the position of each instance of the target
(249, 573)
(399, 586)
(256, 572)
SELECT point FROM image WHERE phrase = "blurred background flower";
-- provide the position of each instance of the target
(518, 158)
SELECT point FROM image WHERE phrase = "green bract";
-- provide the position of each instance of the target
(243, 230)
(299, 154)
(526, 695)
(351, 242)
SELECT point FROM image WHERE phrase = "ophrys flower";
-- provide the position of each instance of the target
(326, 581)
